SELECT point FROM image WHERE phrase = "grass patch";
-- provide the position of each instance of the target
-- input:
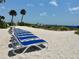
(77, 32)
(3, 25)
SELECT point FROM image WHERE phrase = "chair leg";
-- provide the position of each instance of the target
(25, 49)
(30, 46)
(14, 52)
(38, 47)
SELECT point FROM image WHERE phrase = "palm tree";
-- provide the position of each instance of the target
(12, 13)
(2, 22)
(23, 12)
(1, 1)
(2, 17)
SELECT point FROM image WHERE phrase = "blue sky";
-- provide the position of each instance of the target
(61, 12)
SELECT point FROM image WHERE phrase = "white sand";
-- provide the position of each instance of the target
(61, 45)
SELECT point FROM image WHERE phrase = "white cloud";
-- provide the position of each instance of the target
(74, 9)
(53, 15)
(43, 14)
(3, 7)
(53, 2)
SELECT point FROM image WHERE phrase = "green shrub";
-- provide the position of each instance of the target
(24, 24)
(3, 25)
(77, 32)
(11, 24)
(63, 28)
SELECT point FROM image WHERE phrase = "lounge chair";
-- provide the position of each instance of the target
(23, 34)
(18, 44)
(29, 44)
(24, 43)
(21, 31)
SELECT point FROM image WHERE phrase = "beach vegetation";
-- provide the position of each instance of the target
(3, 24)
(77, 32)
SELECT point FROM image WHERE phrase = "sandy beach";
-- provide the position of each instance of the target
(61, 45)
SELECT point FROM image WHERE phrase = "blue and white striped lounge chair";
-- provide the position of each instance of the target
(26, 42)
(25, 38)
(20, 31)
(23, 34)
(26, 45)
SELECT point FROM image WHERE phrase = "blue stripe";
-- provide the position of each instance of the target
(22, 38)
(32, 42)
(24, 34)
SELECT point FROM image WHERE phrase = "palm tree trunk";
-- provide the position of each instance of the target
(12, 21)
(0, 20)
(22, 19)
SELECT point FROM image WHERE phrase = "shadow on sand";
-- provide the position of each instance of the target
(19, 51)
